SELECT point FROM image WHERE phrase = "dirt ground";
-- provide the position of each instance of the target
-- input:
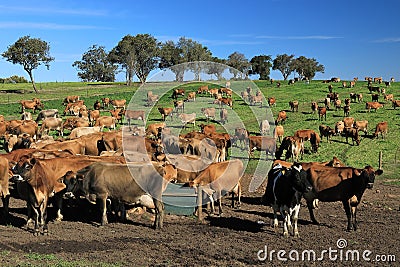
(241, 237)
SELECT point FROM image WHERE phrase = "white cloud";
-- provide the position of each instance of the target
(47, 26)
(388, 40)
(306, 37)
(52, 10)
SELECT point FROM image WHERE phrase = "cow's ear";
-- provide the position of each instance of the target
(379, 172)
(357, 172)
(32, 161)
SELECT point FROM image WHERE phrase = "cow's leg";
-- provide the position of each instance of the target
(103, 210)
(295, 213)
(286, 220)
(6, 203)
(275, 222)
(158, 223)
(43, 216)
(57, 202)
(353, 204)
(346, 206)
(36, 219)
(310, 207)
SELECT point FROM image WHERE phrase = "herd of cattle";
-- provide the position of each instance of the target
(99, 166)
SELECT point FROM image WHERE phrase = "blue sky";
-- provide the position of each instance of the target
(352, 38)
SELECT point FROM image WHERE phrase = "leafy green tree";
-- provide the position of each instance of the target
(95, 66)
(284, 64)
(216, 67)
(137, 54)
(123, 54)
(307, 67)
(261, 65)
(194, 53)
(172, 55)
(239, 63)
(30, 53)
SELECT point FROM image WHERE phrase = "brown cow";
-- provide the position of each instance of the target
(221, 177)
(106, 121)
(208, 113)
(42, 180)
(348, 122)
(51, 124)
(279, 132)
(4, 191)
(106, 102)
(271, 101)
(353, 133)
(321, 113)
(262, 143)
(93, 115)
(202, 89)
(373, 105)
(388, 97)
(395, 104)
(382, 128)
(191, 96)
(345, 184)
(314, 107)
(254, 99)
(362, 126)
(294, 105)
(281, 117)
(346, 110)
(207, 129)
(31, 104)
(70, 99)
(118, 103)
(134, 115)
(135, 183)
(223, 115)
(178, 92)
(326, 131)
(165, 112)
(310, 135)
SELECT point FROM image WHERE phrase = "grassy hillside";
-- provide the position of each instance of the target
(358, 156)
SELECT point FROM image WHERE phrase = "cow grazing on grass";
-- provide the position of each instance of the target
(208, 113)
(220, 178)
(353, 133)
(373, 105)
(47, 113)
(285, 188)
(345, 184)
(362, 126)
(346, 111)
(165, 112)
(262, 143)
(51, 124)
(293, 146)
(134, 115)
(31, 104)
(281, 117)
(326, 131)
(132, 184)
(178, 92)
(382, 128)
(395, 104)
(188, 118)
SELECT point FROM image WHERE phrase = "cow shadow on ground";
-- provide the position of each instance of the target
(306, 113)
(237, 224)
(15, 220)
(311, 119)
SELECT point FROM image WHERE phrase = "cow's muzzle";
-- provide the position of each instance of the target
(16, 178)
(370, 185)
(69, 195)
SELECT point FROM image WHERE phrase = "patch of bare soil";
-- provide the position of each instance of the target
(241, 237)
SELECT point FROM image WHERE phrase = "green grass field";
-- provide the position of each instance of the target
(366, 153)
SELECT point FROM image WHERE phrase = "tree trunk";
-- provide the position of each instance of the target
(33, 82)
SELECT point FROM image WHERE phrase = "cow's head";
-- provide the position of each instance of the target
(368, 175)
(299, 179)
(71, 180)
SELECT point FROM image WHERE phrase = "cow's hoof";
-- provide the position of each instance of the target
(296, 235)
(286, 235)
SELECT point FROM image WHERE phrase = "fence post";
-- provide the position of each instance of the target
(380, 160)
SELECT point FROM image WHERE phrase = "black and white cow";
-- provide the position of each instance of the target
(284, 191)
